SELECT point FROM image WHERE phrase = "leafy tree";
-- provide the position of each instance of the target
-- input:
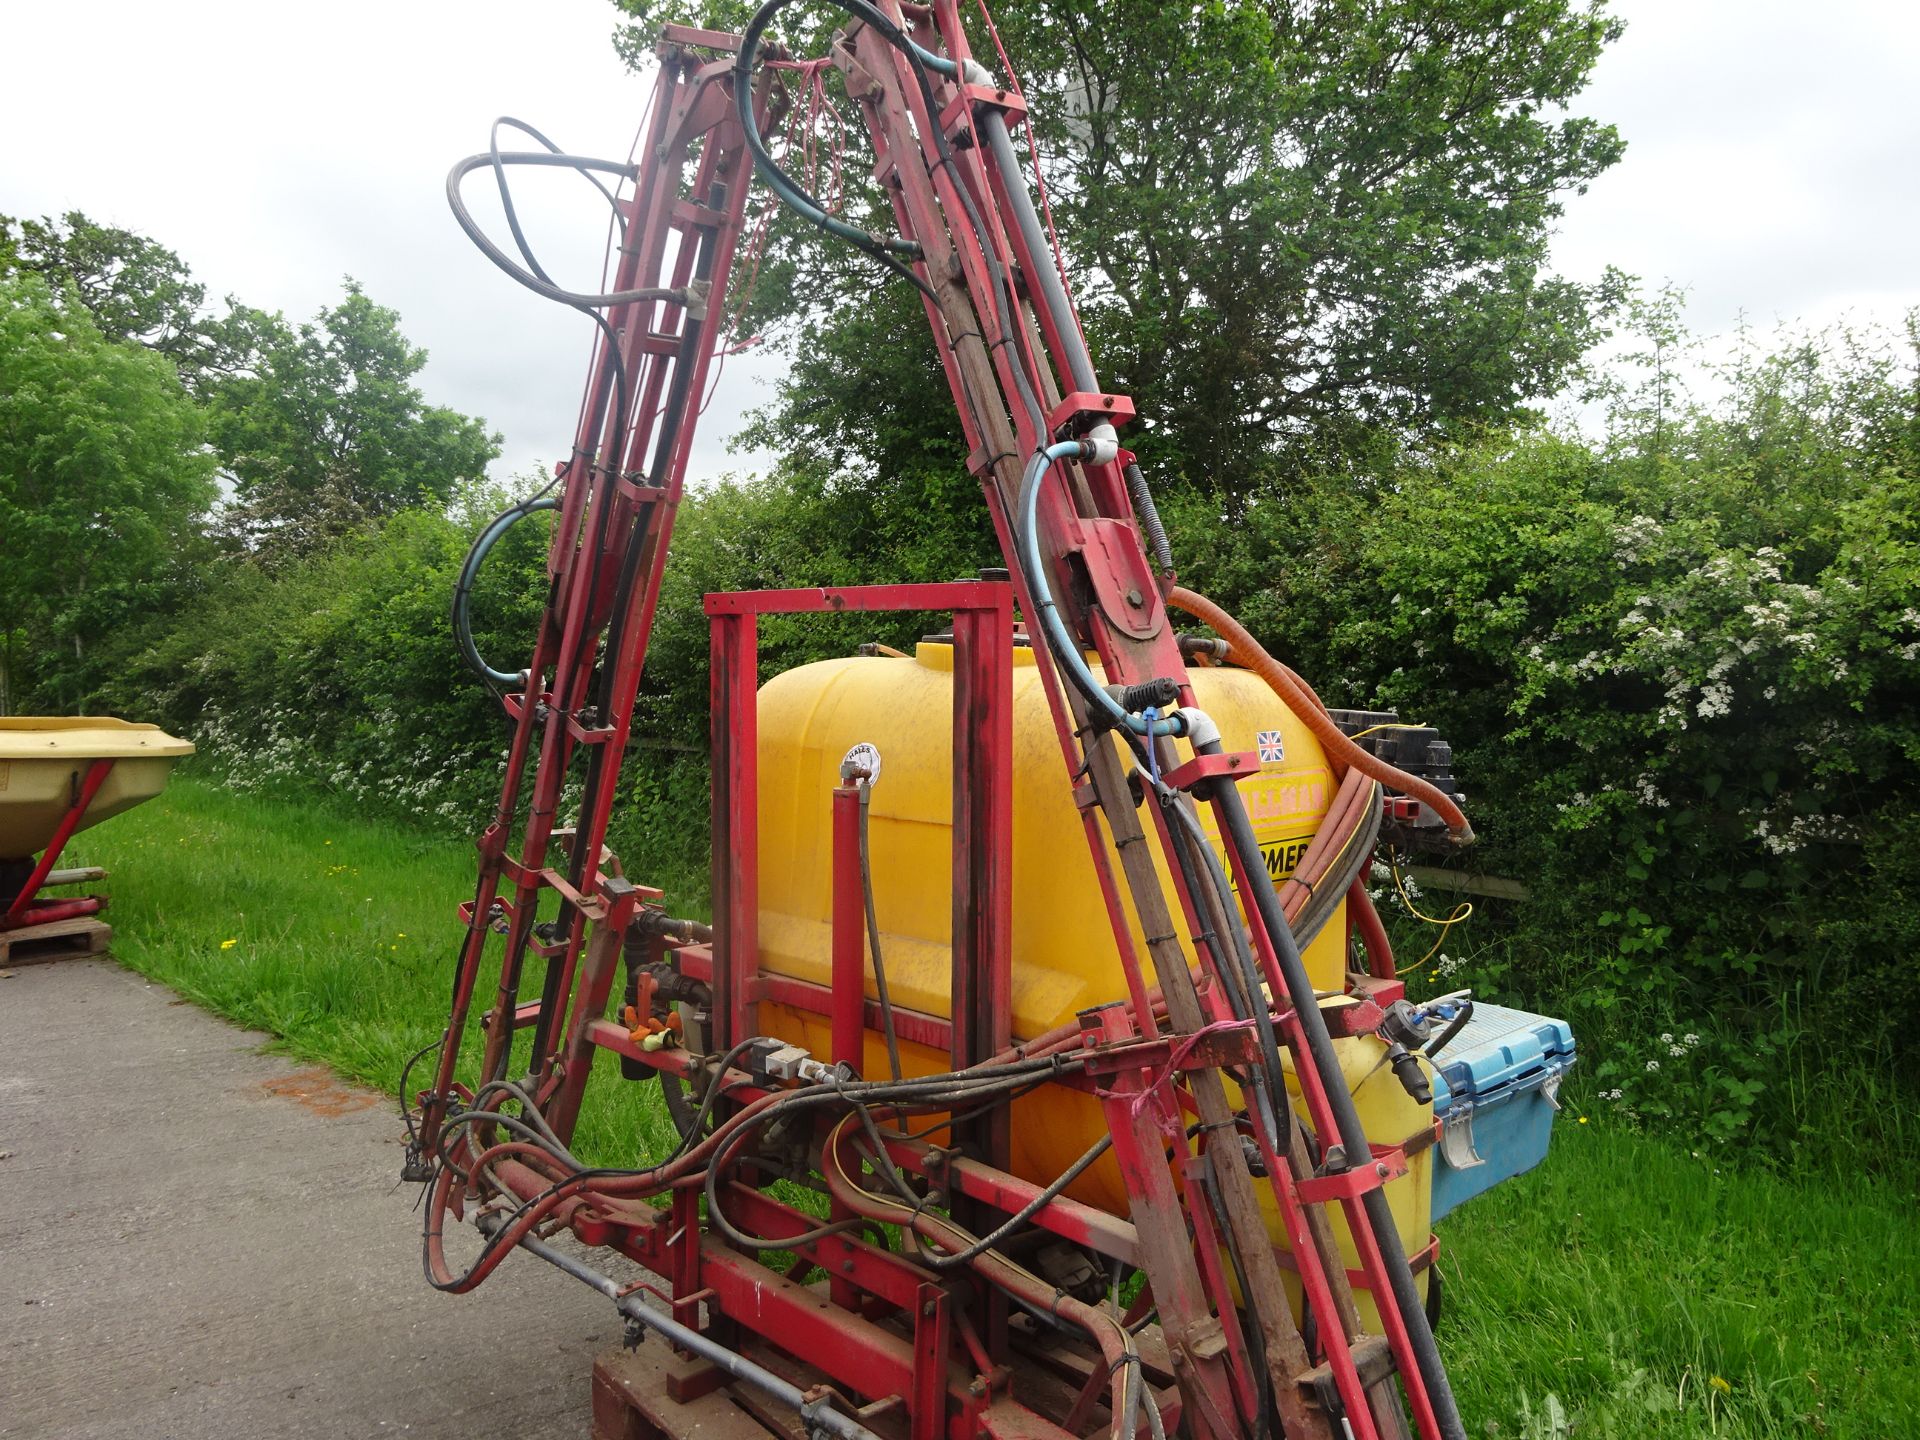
(135, 288)
(1292, 225)
(103, 475)
(328, 431)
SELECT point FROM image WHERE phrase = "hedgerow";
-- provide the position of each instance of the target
(1680, 666)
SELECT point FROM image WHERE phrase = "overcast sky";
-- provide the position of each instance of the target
(1771, 166)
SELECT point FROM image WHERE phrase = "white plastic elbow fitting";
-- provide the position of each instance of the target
(1104, 444)
(1200, 727)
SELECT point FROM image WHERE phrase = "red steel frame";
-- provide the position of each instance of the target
(941, 1361)
(982, 820)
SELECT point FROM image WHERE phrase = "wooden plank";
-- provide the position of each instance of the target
(630, 1401)
(61, 940)
(78, 875)
(1493, 886)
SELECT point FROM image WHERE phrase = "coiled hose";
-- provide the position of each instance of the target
(1301, 700)
(461, 618)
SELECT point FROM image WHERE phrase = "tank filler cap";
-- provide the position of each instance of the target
(861, 758)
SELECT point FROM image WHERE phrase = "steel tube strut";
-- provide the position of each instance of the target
(815, 1416)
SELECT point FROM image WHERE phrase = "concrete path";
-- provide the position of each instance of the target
(201, 1242)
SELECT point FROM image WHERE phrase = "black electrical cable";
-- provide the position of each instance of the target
(996, 1236)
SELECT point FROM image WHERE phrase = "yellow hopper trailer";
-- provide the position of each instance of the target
(58, 775)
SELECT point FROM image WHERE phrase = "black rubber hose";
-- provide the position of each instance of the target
(1005, 310)
(1353, 1135)
(576, 298)
(949, 1260)
(1248, 994)
(1053, 294)
(1454, 1027)
(459, 616)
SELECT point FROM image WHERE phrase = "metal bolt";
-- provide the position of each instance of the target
(1135, 598)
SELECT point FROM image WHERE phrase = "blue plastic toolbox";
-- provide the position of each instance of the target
(1495, 1095)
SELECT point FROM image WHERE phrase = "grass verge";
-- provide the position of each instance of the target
(1626, 1288)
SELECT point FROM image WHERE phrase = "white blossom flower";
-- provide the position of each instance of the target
(1716, 699)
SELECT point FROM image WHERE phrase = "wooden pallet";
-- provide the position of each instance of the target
(631, 1400)
(60, 940)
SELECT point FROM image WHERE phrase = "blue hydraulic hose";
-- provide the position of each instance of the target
(1063, 644)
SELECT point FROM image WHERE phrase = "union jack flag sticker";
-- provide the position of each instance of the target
(1272, 751)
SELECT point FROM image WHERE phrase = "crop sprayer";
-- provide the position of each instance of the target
(1043, 1071)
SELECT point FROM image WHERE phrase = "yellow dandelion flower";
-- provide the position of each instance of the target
(1717, 1383)
(228, 944)
(1583, 1119)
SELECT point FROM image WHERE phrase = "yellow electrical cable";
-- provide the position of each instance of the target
(1354, 834)
(1460, 911)
(1385, 725)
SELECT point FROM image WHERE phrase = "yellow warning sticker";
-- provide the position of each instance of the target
(1283, 855)
(1282, 798)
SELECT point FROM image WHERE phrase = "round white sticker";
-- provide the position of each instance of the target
(865, 757)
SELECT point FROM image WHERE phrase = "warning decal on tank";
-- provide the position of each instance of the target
(1279, 799)
(1272, 748)
(1283, 855)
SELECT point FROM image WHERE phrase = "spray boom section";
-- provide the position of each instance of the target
(1044, 1070)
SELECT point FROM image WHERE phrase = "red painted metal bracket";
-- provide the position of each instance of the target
(1083, 409)
(1384, 1165)
(1232, 765)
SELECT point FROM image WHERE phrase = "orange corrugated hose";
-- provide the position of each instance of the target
(1300, 699)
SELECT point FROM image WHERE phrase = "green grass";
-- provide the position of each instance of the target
(1626, 1288)
(336, 934)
